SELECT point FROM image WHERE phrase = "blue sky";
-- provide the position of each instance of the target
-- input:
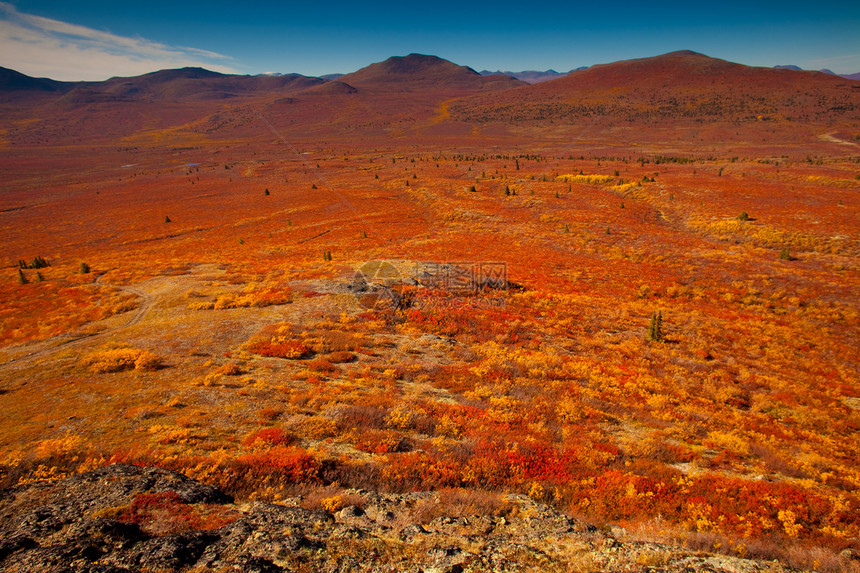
(95, 40)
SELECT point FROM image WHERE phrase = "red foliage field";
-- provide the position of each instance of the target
(509, 347)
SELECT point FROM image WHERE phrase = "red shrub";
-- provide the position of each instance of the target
(292, 464)
(269, 437)
(165, 513)
(323, 366)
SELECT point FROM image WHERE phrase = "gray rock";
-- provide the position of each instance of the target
(59, 527)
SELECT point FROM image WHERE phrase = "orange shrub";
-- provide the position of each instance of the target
(280, 347)
(340, 357)
(322, 366)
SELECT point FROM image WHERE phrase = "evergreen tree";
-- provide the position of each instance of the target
(21, 278)
(38, 263)
(655, 327)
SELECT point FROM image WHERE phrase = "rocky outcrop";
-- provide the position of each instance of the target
(95, 522)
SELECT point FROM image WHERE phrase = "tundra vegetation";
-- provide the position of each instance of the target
(671, 367)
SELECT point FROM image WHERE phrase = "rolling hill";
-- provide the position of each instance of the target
(680, 86)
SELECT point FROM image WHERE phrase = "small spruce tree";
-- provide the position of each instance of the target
(655, 327)
(85, 268)
(22, 279)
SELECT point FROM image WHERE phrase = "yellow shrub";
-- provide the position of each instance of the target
(332, 504)
(728, 441)
(111, 360)
(589, 179)
(316, 427)
(225, 301)
(118, 359)
(147, 361)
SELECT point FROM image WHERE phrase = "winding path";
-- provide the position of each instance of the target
(830, 138)
(28, 352)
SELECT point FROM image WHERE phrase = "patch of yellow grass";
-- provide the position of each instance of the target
(589, 179)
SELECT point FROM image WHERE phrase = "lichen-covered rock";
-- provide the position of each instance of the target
(77, 525)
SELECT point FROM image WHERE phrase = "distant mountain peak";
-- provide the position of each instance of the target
(684, 53)
(827, 71)
(416, 63)
(423, 70)
(529, 76)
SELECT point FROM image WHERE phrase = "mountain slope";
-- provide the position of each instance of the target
(172, 85)
(11, 80)
(679, 86)
(198, 83)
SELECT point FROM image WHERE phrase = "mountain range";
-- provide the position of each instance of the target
(436, 97)
(855, 76)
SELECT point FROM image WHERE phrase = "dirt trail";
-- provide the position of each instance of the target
(27, 353)
(163, 303)
(830, 138)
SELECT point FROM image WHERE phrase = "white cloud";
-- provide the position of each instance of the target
(42, 47)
